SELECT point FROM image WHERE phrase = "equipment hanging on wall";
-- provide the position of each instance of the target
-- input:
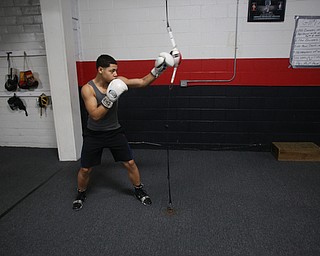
(43, 102)
(12, 79)
(16, 103)
(27, 80)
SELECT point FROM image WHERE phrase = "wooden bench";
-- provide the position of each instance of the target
(296, 151)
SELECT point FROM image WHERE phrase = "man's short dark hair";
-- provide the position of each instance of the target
(104, 61)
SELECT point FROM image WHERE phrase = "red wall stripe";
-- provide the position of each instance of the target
(250, 72)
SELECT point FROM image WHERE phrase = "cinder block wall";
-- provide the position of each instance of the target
(131, 29)
(136, 30)
(266, 102)
(21, 31)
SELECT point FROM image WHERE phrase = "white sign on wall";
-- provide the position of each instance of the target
(305, 47)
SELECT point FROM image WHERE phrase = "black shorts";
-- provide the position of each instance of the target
(95, 141)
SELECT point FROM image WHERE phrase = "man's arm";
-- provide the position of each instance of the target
(96, 111)
(162, 61)
(138, 82)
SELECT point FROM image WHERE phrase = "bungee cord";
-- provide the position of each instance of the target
(176, 54)
(177, 60)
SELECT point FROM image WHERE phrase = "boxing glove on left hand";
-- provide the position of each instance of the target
(162, 61)
(115, 88)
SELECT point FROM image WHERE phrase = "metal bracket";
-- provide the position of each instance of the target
(183, 83)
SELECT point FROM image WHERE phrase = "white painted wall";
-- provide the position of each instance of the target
(129, 29)
(60, 45)
(136, 29)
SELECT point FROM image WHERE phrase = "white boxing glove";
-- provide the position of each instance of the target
(165, 59)
(176, 54)
(115, 88)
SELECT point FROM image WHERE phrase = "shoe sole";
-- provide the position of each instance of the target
(143, 199)
(80, 202)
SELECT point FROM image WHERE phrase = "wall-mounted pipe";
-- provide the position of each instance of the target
(6, 94)
(184, 83)
(23, 54)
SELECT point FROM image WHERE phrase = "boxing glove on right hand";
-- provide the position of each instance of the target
(115, 88)
(162, 61)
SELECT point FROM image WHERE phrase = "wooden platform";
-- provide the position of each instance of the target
(295, 151)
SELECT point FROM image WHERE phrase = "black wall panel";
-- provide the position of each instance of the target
(221, 117)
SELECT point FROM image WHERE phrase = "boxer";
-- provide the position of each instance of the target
(100, 96)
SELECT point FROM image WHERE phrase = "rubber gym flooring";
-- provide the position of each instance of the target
(222, 203)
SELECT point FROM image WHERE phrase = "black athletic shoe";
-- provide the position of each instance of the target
(142, 195)
(78, 202)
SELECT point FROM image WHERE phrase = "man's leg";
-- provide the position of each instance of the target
(134, 177)
(83, 178)
(83, 181)
(133, 172)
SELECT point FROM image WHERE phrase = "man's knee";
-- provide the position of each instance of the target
(130, 164)
(85, 171)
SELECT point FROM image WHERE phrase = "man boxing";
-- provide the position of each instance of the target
(100, 96)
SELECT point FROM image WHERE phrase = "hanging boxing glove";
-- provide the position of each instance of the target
(115, 88)
(162, 61)
(176, 54)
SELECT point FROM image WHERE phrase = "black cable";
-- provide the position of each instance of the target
(170, 205)
(167, 16)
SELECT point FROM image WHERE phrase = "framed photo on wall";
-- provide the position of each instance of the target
(266, 10)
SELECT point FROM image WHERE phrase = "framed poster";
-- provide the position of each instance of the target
(266, 10)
